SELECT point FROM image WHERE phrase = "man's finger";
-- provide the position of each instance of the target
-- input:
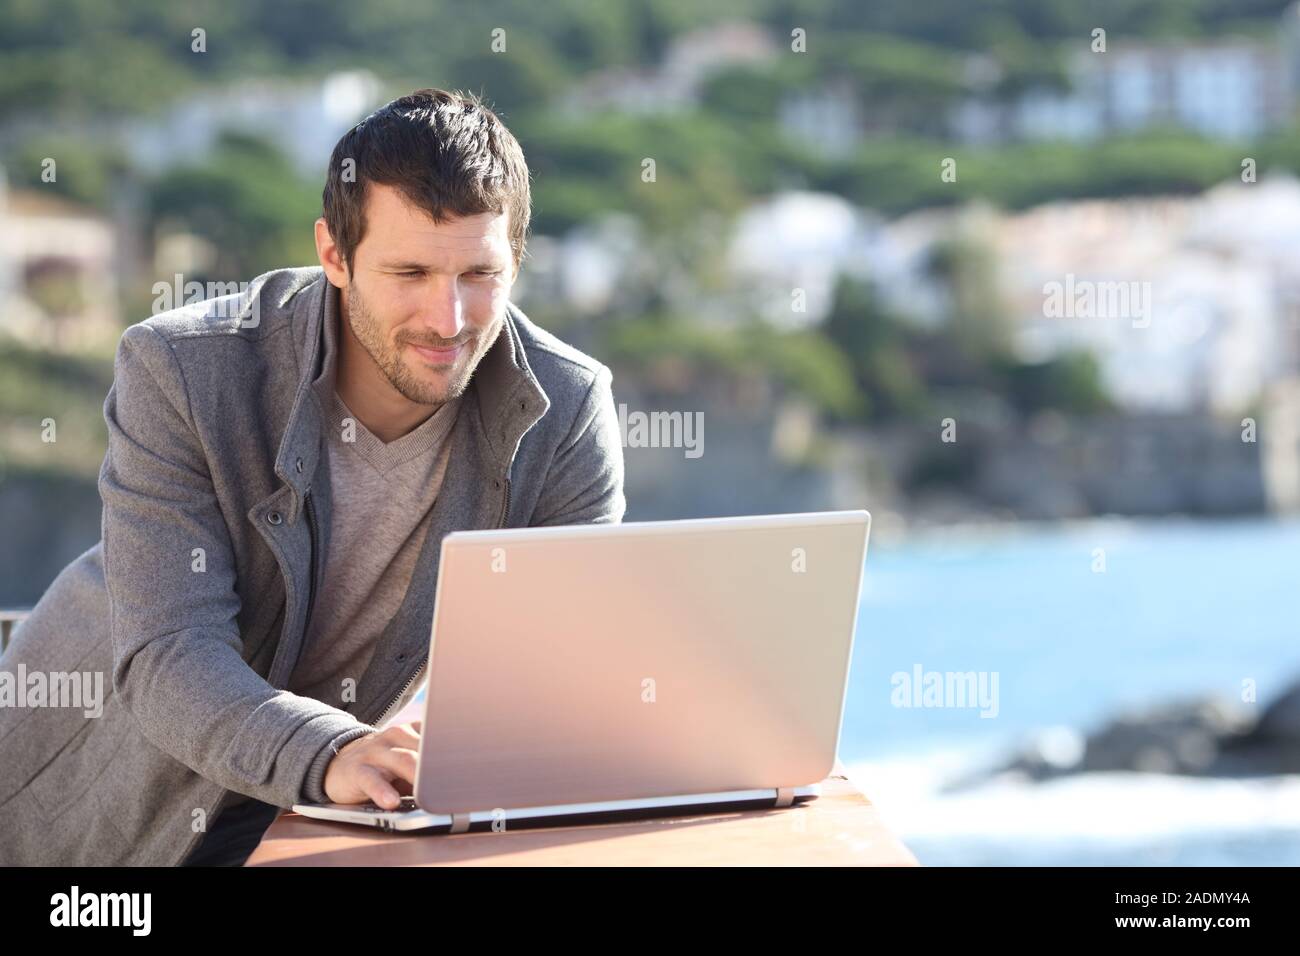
(399, 761)
(401, 736)
(376, 786)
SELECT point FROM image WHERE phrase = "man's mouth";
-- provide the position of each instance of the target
(436, 356)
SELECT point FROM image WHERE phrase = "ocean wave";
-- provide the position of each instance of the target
(1089, 819)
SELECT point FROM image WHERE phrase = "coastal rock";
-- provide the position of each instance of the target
(1281, 719)
(1180, 737)
(1208, 736)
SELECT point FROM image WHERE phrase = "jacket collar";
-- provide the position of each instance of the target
(506, 394)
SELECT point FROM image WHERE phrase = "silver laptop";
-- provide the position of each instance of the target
(589, 672)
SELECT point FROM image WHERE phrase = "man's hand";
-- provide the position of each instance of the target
(379, 767)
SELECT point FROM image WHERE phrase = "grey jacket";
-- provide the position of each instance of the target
(215, 443)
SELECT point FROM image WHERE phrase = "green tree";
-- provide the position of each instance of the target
(248, 201)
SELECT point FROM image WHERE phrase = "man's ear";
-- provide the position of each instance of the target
(331, 259)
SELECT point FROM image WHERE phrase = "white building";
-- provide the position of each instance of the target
(304, 119)
(57, 280)
(788, 252)
(1189, 303)
(1224, 88)
(827, 121)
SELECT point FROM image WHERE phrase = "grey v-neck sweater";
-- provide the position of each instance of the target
(382, 495)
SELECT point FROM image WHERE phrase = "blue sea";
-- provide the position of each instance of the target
(1078, 624)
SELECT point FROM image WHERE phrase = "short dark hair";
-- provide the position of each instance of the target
(448, 154)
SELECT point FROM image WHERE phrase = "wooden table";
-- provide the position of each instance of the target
(839, 828)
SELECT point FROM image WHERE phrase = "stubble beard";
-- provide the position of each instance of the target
(387, 354)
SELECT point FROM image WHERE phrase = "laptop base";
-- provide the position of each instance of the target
(409, 818)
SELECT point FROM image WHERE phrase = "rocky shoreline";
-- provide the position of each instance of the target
(1205, 736)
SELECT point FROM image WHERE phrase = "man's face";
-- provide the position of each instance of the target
(426, 300)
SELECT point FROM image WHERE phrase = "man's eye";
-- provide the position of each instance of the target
(410, 275)
(486, 273)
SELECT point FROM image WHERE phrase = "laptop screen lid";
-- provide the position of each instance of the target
(591, 663)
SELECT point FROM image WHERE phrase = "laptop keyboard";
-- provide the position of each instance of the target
(408, 803)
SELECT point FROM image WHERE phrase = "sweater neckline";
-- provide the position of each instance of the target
(385, 456)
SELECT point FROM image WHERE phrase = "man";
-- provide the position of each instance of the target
(282, 466)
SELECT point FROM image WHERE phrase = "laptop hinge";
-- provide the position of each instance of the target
(459, 823)
(784, 796)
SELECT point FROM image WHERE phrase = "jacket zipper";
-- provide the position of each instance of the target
(505, 510)
(501, 523)
(405, 687)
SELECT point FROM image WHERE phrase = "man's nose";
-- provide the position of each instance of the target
(444, 310)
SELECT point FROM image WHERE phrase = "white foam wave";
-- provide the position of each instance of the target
(1128, 808)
